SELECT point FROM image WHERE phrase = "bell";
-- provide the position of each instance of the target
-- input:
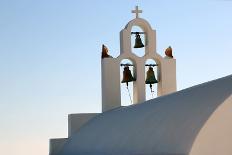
(127, 76)
(138, 41)
(151, 77)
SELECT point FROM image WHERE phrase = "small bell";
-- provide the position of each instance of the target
(127, 76)
(151, 77)
(138, 41)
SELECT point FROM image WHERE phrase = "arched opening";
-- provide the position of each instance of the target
(138, 45)
(127, 77)
(151, 78)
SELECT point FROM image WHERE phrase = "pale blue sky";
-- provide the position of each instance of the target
(50, 57)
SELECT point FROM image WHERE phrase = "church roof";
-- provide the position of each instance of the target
(167, 125)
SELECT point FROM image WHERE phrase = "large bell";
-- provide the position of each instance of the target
(150, 77)
(127, 76)
(138, 41)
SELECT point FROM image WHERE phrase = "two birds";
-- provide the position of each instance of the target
(105, 51)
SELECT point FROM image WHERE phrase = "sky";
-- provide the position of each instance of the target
(50, 62)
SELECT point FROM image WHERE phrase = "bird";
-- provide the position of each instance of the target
(105, 52)
(168, 52)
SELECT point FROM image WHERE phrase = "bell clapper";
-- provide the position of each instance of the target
(152, 91)
(151, 88)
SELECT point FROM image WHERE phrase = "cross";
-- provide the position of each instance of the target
(136, 11)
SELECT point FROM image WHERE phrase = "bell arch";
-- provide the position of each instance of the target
(150, 36)
(138, 41)
(151, 78)
(127, 78)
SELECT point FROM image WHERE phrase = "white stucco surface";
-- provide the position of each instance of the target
(194, 120)
(215, 138)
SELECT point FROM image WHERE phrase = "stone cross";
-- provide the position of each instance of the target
(136, 11)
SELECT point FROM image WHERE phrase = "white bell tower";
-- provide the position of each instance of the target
(110, 67)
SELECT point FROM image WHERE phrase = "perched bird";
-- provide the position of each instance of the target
(105, 52)
(168, 52)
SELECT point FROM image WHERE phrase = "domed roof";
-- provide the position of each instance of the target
(166, 125)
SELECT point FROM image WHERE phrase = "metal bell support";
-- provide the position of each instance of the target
(127, 76)
(151, 78)
(138, 41)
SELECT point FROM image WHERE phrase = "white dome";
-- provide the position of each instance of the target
(167, 125)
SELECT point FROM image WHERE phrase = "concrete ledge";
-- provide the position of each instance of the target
(76, 121)
(56, 145)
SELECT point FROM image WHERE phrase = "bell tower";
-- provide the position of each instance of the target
(110, 67)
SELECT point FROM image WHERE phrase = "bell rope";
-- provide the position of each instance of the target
(129, 94)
